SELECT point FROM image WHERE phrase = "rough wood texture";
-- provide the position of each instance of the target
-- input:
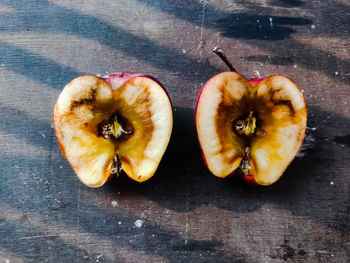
(183, 214)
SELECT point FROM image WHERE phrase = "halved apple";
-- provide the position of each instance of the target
(120, 122)
(253, 127)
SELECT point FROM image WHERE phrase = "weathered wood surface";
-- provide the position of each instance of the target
(183, 214)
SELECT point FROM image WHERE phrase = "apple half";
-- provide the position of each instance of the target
(122, 121)
(254, 127)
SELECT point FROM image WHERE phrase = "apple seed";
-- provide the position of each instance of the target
(116, 166)
(245, 163)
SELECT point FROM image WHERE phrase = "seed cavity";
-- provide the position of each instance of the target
(113, 128)
(247, 126)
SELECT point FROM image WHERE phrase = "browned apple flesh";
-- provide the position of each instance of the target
(102, 130)
(255, 130)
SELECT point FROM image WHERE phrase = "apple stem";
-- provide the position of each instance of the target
(222, 55)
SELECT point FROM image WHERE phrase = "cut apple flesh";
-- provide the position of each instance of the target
(102, 128)
(256, 130)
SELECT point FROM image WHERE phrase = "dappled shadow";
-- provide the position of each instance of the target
(168, 243)
(36, 67)
(108, 225)
(245, 26)
(307, 56)
(344, 140)
(43, 247)
(48, 17)
(25, 127)
(250, 24)
(182, 183)
(274, 60)
(258, 27)
(270, 33)
(288, 3)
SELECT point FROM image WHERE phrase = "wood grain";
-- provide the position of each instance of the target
(183, 214)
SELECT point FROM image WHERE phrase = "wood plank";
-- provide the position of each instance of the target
(183, 214)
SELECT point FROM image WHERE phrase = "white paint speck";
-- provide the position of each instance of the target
(257, 73)
(120, 222)
(257, 20)
(7, 260)
(98, 75)
(313, 128)
(331, 183)
(152, 235)
(61, 166)
(313, 26)
(271, 23)
(138, 223)
(98, 258)
(114, 203)
(42, 134)
(295, 66)
(184, 51)
(336, 73)
(302, 91)
(185, 241)
(345, 103)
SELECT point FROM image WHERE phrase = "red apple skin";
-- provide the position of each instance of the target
(253, 82)
(119, 78)
(115, 80)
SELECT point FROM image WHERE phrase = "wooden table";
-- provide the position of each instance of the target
(183, 214)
